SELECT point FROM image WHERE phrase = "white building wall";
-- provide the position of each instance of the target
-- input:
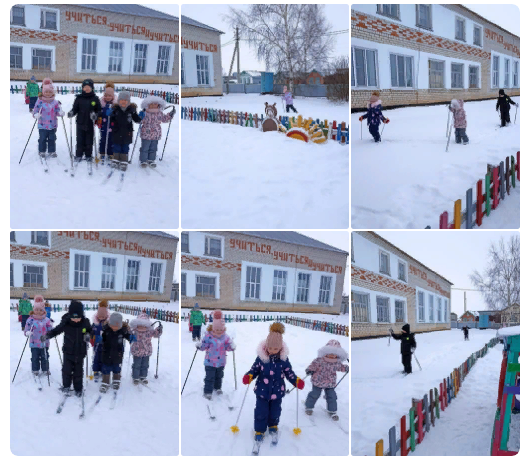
(444, 320)
(196, 244)
(188, 62)
(18, 272)
(32, 15)
(191, 282)
(373, 303)
(27, 53)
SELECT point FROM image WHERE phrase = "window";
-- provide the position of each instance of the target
(311, 80)
(383, 310)
(460, 29)
(474, 73)
(202, 68)
(184, 242)
(33, 276)
(253, 282)
(424, 16)
(48, 19)
(361, 312)
(436, 74)
(163, 59)
(495, 72)
(88, 54)
(132, 277)
(325, 290)
(401, 271)
(81, 271)
(399, 311)
(183, 284)
(421, 306)
(364, 67)
(108, 273)
(279, 285)
(155, 277)
(139, 63)
(116, 55)
(384, 262)
(15, 57)
(17, 16)
(389, 10)
(506, 73)
(213, 247)
(303, 285)
(439, 310)
(205, 286)
(431, 308)
(12, 237)
(477, 35)
(183, 74)
(516, 74)
(11, 279)
(402, 70)
(39, 237)
(457, 75)
(41, 59)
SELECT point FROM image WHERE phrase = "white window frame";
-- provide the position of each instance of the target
(16, 56)
(203, 71)
(82, 273)
(36, 264)
(34, 239)
(23, 7)
(405, 59)
(478, 26)
(108, 277)
(360, 308)
(253, 282)
(135, 276)
(162, 61)
(303, 290)
(140, 61)
(39, 58)
(418, 22)
(445, 310)
(207, 247)
(324, 296)
(443, 73)
(12, 275)
(461, 19)
(183, 72)
(43, 15)
(477, 67)
(401, 301)
(420, 307)
(187, 251)
(462, 67)
(495, 72)
(199, 275)
(387, 254)
(183, 288)
(156, 278)
(380, 10)
(431, 308)
(507, 72)
(439, 310)
(89, 61)
(388, 318)
(116, 57)
(515, 74)
(399, 262)
(355, 83)
(279, 285)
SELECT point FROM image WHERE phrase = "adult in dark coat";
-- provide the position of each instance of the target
(122, 116)
(504, 103)
(408, 345)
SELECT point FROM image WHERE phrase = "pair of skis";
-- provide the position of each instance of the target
(211, 408)
(83, 412)
(258, 443)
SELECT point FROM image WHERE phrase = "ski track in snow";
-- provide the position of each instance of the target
(408, 180)
(239, 177)
(142, 423)
(320, 436)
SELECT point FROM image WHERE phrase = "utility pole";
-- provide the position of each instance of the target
(236, 52)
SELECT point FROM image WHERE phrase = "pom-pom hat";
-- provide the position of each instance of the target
(218, 321)
(275, 337)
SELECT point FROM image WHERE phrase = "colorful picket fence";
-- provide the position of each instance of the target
(314, 325)
(490, 191)
(332, 131)
(424, 413)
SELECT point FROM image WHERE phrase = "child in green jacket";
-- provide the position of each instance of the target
(32, 92)
(196, 320)
(24, 309)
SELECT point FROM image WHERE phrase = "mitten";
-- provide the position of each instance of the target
(129, 118)
(142, 114)
(93, 116)
(360, 118)
(198, 345)
(70, 114)
(99, 122)
(27, 334)
(61, 113)
(160, 329)
(37, 116)
(172, 112)
(309, 372)
(347, 368)
(44, 338)
(108, 112)
(87, 337)
(300, 384)
(386, 121)
(133, 338)
(247, 379)
(92, 342)
(20, 318)
(233, 345)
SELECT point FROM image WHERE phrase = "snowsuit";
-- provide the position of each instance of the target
(408, 341)
(465, 329)
(324, 378)
(47, 124)
(39, 350)
(196, 320)
(97, 330)
(270, 388)
(32, 92)
(503, 103)
(24, 309)
(113, 349)
(215, 359)
(374, 117)
(150, 132)
(122, 126)
(84, 105)
(106, 107)
(74, 349)
(142, 347)
(289, 100)
(460, 121)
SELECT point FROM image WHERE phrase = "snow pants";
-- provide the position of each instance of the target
(23, 320)
(39, 359)
(267, 413)
(330, 397)
(505, 117)
(73, 372)
(374, 130)
(33, 100)
(196, 331)
(140, 367)
(148, 150)
(120, 152)
(114, 367)
(213, 379)
(407, 362)
(97, 360)
(461, 136)
(103, 136)
(290, 107)
(47, 139)
(84, 142)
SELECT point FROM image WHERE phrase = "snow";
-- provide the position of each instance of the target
(239, 177)
(319, 436)
(408, 180)
(509, 331)
(142, 423)
(381, 395)
(56, 200)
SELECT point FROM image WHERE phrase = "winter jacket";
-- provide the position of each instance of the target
(105, 118)
(73, 343)
(97, 330)
(270, 372)
(151, 125)
(408, 341)
(216, 348)
(48, 311)
(32, 89)
(504, 102)
(122, 123)
(288, 98)
(40, 328)
(460, 121)
(84, 105)
(24, 307)
(374, 114)
(49, 113)
(196, 318)
(324, 372)
(113, 345)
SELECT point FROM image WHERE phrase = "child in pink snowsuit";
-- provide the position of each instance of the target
(460, 121)
(38, 325)
(46, 111)
(141, 348)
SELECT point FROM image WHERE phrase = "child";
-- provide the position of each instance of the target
(99, 322)
(323, 370)
(150, 132)
(113, 337)
(38, 325)
(216, 344)
(288, 99)
(108, 100)
(460, 121)
(86, 109)
(46, 111)
(76, 328)
(503, 103)
(465, 329)
(24, 309)
(48, 309)
(271, 367)
(196, 320)
(374, 116)
(408, 345)
(122, 116)
(32, 92)
(142, 349)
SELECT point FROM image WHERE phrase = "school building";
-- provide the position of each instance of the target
(261, 271)
(390, 288)
(116, 265)
(201, 59)
(417, 54)
(118, 42)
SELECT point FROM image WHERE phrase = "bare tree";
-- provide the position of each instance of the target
(500, 282)
(338, 79)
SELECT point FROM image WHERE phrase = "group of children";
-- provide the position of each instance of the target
(270, 370)
(112, 114)
(106, 334)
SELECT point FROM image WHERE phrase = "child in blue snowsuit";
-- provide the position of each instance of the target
(108, 100)
(99, 322)
(271, 368)
(374, 116)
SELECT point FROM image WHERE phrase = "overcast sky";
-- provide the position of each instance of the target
(505, 15)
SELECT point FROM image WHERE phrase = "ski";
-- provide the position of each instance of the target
(62, 403)
(93, 406)
(38, 384)
(148, 387)
(113, 403)
(43, 163)
(154, 169)
(275, 439)
(106, 179)
(256, 447)
(74, 167)
(82, 414)
(210, 409)
(121, 184)
(89, 165)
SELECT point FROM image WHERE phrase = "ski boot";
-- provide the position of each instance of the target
(64, 390)
(153, 164)
(218, 391)
(52, 155)
(136, 382)
(105, 383)
(116, 381)
(334, 416)
(123, 166)
(274, 435)
(144, 381)
(207, 396)
(46, 373)
(35, 373)
(309, 411)
(42, 154)
(78, 393)
(97, 375)
(259, 436)
(144, 164)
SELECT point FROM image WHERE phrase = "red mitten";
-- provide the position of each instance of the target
(92, 341)
(247, 379)
(386, 121)
(300, 384)
(360, 118)
(20, 318)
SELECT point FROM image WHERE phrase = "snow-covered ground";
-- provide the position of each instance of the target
(381, 395)
(56, 200)
(408, 180)
(200, 436)
(240, 177)
(142, 423)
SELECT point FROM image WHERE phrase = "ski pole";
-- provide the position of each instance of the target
(448, 120)
(158, 344)
(107, 136)
(71, 145)
(382, 131)
(449, 137)
(185, 383)
(361, 130)
(58, 351)
(234, 368)
(289, 391)
(235, 428)
(417, 361)
(389, 338)
(167, 133)
(135, 144)
(515, 118)
(27, 141)
(297, 429)
(96, 145)
(47, 361)
(345, 374)
(66, 138)
(27, 339)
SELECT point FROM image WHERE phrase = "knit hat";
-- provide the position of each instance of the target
(75, 309)
(48, 85)
(124, 95)
(406, 328)
(25, 296)
(455, 104)
(33, 78)
(38, 311)
(115, 319)
(333, 347)
(103, 310)
(218, 321)
(196, 305)
(88, 82)
(141, 320)
(501, 92)
(275, 337)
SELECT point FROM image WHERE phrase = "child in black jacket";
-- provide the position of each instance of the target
(408, 345)
(503, 103)
(76, 328)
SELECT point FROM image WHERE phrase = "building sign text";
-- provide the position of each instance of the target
(431, 284)
(499, 38)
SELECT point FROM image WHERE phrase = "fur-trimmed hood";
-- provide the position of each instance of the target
(103, 102)
(141, 320)
(146, 102)
(374, 105)
(265, 357)
(97, 321)
(333, 347)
